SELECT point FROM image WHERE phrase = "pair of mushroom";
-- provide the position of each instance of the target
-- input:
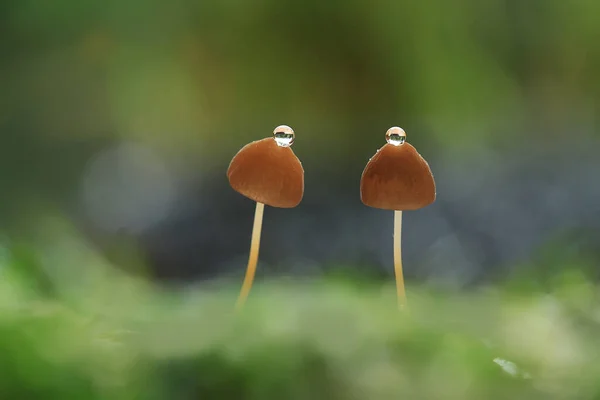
(267, 171)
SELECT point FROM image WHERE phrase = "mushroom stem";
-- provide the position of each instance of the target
(398, 260)
(253, 258)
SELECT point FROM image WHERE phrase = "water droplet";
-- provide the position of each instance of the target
(284, 135)
(395, 136)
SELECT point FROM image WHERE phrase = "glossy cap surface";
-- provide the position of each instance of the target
(267, 173)
(397, 178)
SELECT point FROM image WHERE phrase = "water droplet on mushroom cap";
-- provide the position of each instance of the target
(397, 178)
(268, 173)
(284, 136)
(395, 136)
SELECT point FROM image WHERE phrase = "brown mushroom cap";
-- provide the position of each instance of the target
(267, 173)
(397, 178)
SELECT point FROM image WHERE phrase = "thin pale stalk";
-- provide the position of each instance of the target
(401, 292)
(253, 258)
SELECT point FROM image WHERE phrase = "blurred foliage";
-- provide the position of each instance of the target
(188, 63)
(117, 338)
(198, 78)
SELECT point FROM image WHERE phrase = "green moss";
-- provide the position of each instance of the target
(311, 340)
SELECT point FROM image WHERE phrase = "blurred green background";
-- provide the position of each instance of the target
(122, 244)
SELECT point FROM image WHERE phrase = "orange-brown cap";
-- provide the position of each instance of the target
(397, 178)
(268, 173)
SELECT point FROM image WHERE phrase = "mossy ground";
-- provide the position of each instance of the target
(319, 339)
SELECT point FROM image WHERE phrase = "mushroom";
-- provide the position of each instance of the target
(397, 178)
(268, 172)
